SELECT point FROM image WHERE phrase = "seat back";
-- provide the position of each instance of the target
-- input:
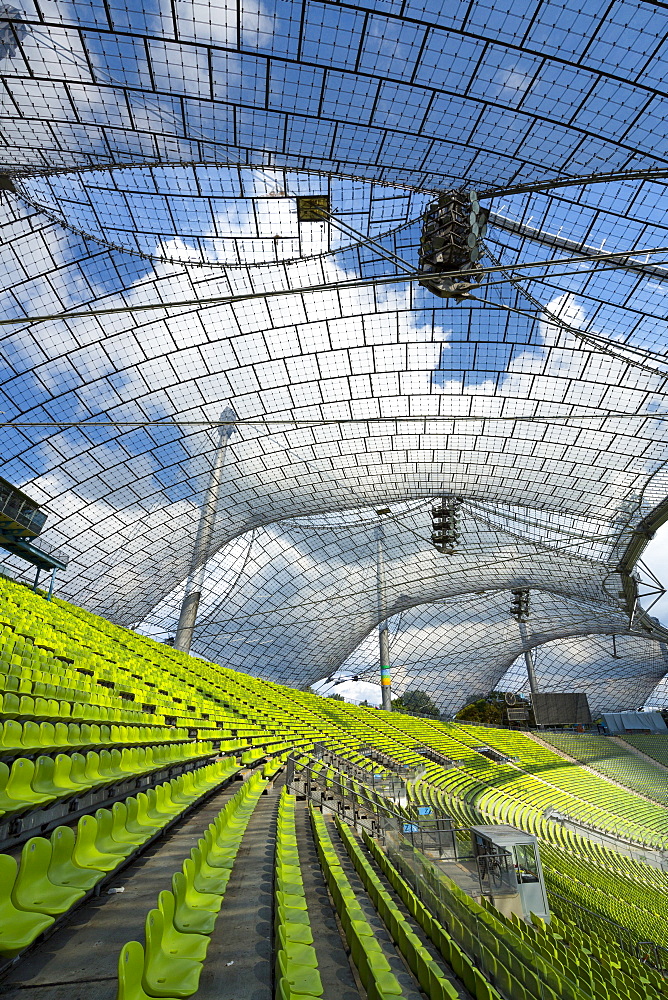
(42, 780)
(47, 735)
(19, 783)
(61, 773)
(12, 735)
(130, 972)
(78, 770)
(33, 867)
(8, 872)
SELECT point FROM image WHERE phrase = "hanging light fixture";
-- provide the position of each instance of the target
(452, 230)
(445, 518)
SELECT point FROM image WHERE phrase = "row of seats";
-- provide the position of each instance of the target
(177, 932)
(511, 957)
(605, 887)
(614, 761)
(296, 960)
(374, 969)
(29, 784)
(612, 895)
(47, 737)
(454, 956)
(653, 745)
(547, 777)
(54, 874)
(427, 972)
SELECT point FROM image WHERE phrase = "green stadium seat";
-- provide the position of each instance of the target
(105, 840)
(11, 736)
(120, 829)
(130, 973)
(191, 945)
(304, 980)
(33, 889)
(208, 878)
(86, 853)
(189, 916)
(62, 869)
(18, 928)
(52, 777)
(16, 791)
(165, 974)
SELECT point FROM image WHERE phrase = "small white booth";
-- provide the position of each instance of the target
(510, 872)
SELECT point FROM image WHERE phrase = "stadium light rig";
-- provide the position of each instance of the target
(445, 519)
(452, 230)
(519, 605)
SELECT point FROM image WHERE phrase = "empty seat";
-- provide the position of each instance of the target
(33, 889)
(130, 973)
(18, 928)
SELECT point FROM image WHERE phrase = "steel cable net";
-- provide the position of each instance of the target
(156, 163)
(433, 642)
(616, 672)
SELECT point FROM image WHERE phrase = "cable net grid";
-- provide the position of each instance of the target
(188, 100)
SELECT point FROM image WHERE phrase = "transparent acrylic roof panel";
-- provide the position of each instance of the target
(414, 93)
(408, 100)
(214, 215)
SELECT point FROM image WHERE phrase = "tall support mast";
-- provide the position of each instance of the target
(203, 539)
(520, 609)
(383, 633)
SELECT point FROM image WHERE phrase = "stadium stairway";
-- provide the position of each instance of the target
(334, 962)
(81, 959)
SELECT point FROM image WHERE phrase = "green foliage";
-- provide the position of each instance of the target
(481, 711)
(417, 703)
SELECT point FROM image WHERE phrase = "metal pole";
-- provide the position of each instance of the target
(383, 634)
(201, 551)
(34, 586)
(53, 580)
(528, 659)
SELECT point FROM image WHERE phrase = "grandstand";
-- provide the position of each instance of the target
(184, 813)
(334, 367)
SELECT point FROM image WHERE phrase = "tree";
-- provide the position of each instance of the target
(481, 711)
(417, 702)
(336, 697)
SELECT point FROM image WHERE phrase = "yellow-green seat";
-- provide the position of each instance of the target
(16, 791)
(18, 928)
(33, 889)
(191, 945)
(130, 971)
(189, 916)
(86, 854)
(165, 974)
(62, 869)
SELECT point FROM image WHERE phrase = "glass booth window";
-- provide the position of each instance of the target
(526, 865)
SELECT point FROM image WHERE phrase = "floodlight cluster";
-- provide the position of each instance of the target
(159, 272)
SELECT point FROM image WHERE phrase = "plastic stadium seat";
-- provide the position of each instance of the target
(304, 980)
(191, 945)
(52, 777)
(203, 897)
(62, 869)
(86, 853)
(16, 791)
(33, 889)
(104, 840)
(18, 928)
(130, 973)
(208, 878)
(165, 974)
(121, 830)
(189, 916)
(11, 736)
